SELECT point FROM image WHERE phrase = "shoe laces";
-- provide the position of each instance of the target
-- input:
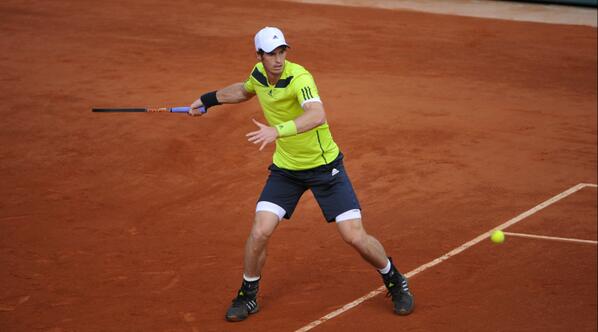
(243, 298)
(399, 287)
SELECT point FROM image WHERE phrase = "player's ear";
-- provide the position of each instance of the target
(259, 54)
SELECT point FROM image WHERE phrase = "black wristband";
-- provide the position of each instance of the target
(209, 99)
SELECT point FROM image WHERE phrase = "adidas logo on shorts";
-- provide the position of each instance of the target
(335, 171)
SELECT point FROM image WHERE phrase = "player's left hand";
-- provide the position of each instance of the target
(264, 135)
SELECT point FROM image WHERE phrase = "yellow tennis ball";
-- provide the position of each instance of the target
(497, 237)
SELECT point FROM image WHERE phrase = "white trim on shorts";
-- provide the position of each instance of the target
(348, 215)
(271, 207)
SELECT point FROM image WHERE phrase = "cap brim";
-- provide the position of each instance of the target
(275, 47)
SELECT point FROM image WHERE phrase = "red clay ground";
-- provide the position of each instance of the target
(450, 127)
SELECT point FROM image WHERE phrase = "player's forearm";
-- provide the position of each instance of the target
(232, 94)
(313, 116)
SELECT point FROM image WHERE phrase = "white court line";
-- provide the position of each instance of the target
(449, 254)
(552, 238)
(503, 10)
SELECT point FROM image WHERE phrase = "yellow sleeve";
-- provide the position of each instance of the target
(248, 85)
(306, 89)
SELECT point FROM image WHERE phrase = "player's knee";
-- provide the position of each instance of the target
(260, 234)
(263, 227)
(352, 232)
(356, 238)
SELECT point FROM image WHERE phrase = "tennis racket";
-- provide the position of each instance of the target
(184, 109)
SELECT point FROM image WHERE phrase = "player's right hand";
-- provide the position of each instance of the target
(196, 108)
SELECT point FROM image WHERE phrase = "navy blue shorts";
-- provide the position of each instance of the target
(329, 183)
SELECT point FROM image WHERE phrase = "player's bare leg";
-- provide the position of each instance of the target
(256, 246)
(367, 246)
(373, 252)
(255, 257)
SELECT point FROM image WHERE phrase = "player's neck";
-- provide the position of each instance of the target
(273, 78)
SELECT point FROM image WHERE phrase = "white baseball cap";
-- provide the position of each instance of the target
(268, 39)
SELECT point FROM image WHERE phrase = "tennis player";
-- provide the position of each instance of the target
(306, 157)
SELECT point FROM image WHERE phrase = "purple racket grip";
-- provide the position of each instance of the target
(185, 109)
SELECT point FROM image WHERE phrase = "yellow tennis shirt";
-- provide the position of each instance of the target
(282, 102)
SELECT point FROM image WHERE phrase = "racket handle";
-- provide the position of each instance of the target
(185, 109)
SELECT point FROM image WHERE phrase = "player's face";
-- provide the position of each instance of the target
(274, 61)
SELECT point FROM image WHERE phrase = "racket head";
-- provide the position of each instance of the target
(120, 110)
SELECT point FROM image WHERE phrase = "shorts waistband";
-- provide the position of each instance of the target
(323, 168)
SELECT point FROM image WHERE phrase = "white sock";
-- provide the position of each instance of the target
(386, 269)
(250, 279)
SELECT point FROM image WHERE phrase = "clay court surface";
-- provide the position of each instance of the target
(450, 126)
